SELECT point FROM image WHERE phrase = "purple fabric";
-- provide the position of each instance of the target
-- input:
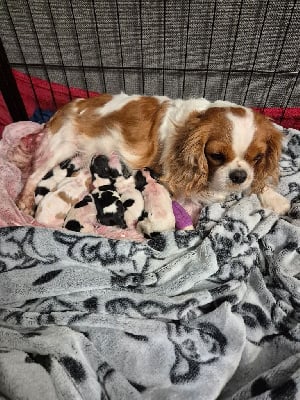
(182, 218)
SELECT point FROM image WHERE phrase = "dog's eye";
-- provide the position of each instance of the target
(219, 157)
(258, 157)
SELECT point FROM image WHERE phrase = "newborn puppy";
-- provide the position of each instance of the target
(82, 217)
(51, 180)
(53, 208)
(131, 197)
(94, 208)
(110, 210)
(158, 211)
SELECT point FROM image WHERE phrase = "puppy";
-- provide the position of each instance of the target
(158, 212)
(131, 197)
(110, 210)
(53, 208)
(82, 217)
(51, 180)
(202, 150)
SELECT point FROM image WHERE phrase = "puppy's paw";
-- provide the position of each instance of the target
(274, 201)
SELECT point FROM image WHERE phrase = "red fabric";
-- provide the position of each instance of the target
(43, 93)
(291, 118)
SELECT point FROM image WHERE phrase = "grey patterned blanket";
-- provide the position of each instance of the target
(204, 314)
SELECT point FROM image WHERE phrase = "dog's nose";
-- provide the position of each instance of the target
(238, 176)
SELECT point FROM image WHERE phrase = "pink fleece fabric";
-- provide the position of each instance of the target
(11, 177)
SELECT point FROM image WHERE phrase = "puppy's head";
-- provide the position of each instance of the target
(102, 166)
(99, 165)
(223, 149)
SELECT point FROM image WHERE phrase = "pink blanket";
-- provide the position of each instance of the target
(11, 177)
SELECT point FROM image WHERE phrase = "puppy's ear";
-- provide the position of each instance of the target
(186, 169)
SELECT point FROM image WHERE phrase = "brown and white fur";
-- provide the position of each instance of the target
(203, 150)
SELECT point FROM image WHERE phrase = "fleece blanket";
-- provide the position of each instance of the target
(202, 314)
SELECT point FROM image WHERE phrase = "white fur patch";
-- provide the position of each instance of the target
(177, 113)
(112, 208)
(116, 103)
(103, 144)
(53, 150)
(243, 129)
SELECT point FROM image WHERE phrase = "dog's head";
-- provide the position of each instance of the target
(223, 149)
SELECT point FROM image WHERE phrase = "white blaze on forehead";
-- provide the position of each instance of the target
(243, 129)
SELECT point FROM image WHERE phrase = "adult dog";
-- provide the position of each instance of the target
(202, 150)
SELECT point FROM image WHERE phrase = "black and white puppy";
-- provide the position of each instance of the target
(158, 213)
(83, 216)
(131, 197)
(110, 209)
(53, 177)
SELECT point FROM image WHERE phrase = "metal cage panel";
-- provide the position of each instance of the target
(244, 51)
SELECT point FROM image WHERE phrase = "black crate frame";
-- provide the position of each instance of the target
(13, 98)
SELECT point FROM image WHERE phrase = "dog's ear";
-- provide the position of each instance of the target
(186, 168)
(267, 172)
(273, 154)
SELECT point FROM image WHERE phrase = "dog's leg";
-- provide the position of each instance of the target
(49, 155)
(269, 198)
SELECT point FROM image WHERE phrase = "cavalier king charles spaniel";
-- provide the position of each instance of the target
(202, 151)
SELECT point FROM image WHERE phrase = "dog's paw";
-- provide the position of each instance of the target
(281, 206)
(274, 201)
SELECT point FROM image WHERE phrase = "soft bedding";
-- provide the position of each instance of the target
(201, 314)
